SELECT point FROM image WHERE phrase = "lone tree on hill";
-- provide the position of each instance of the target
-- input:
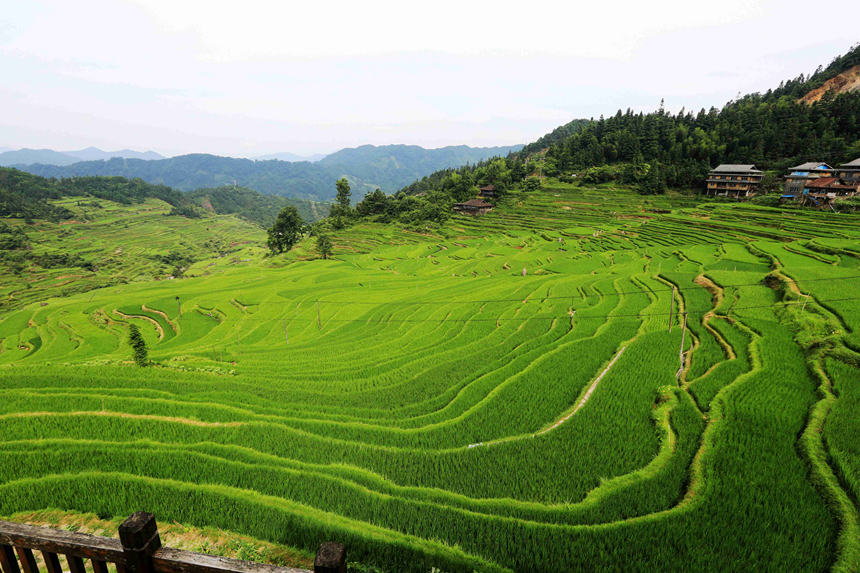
(341, 206)
(135, 339)
(286, 231)
(324, 245)
(343, 192)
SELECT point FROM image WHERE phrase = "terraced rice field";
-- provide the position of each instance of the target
(511, 393)
(123, 243)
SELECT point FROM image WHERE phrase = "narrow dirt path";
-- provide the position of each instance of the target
(107, 413)
(587, 395)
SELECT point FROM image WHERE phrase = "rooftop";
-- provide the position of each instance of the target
(823, 182)
(810, 165)
(855, 163)
(829, 183)
(734, 168)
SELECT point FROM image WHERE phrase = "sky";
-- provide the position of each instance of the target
(253, 77)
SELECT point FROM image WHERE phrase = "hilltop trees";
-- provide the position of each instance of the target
(286, 231)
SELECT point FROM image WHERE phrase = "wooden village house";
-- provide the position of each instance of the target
(822, 191)
(817, 184)
(800, 175)
(850, 172)
(730, 180)
(473, 207)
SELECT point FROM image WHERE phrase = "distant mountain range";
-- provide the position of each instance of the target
(388, 167)
(50, 157)
(292, 157)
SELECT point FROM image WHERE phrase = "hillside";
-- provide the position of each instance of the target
(367, 167)
(497, 395)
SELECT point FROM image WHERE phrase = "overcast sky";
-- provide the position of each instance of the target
(251, 77)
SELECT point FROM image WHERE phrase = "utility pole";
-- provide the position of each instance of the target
(671, 308)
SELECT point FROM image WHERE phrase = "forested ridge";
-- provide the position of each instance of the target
(773, 130)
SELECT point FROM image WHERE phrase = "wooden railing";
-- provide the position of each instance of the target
(138, 550)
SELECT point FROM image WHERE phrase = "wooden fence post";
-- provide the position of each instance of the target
(139, 537)
(331, 558)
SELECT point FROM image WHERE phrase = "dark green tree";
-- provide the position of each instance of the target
(531, 184)
(286, 231)
(324, 245)
(372, 204)
(343, 193)
(654, 182)
(138, 344)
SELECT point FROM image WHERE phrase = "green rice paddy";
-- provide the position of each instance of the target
(502, 394)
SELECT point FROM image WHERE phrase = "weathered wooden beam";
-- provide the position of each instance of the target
(28, 561)
(52, 562)
(59, 541)
(170, 560)
(139, 537)
(99, 566)
(76, 564)
(7, 560)
(331, 558)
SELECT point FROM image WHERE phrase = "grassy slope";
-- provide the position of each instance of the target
(317, 399)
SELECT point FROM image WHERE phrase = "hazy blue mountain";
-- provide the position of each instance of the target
(388, 167)
(391, 167)
(95, 154)
(287, 156)
(30, 156)
(187, 172)
(413, 156)
(26, 156)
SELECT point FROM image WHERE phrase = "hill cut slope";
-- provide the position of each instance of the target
(846, 82)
